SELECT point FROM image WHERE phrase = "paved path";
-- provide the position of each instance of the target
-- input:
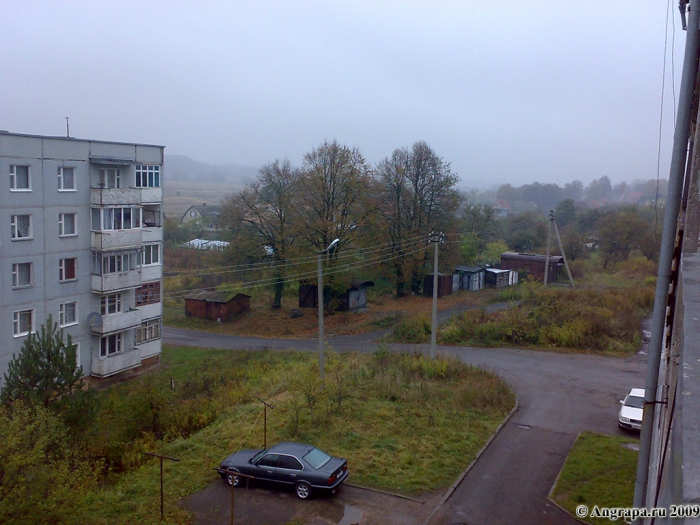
(560, 395)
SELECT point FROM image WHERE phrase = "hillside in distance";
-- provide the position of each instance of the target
(183, 168)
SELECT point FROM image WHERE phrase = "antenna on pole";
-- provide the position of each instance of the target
(67, 128)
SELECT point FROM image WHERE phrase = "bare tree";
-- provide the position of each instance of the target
(417, 194)
(266, 205)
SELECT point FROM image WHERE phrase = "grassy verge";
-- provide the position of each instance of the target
(600, 470)
(406, 423)
(603, 321)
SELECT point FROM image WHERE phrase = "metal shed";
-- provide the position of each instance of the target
(497, 278)
(533, 264)
(444, 284)
(353, 299)
(470, 277)
(216, 306)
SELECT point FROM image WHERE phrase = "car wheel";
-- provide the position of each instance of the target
(303, 490)
(233, 480)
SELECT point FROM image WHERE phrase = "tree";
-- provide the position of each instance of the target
(621, 232)
(45, 370)
(266, 205)
(40, 480)
(417, 194)
(565, 212)
(334, 183)
(492, 253)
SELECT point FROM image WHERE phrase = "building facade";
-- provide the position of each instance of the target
(82, 241)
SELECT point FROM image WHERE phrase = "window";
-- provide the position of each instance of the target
(22, 275)
(148, 293)
(115, 218)
(148, 331)
(147, 176)
(22, 322)
(151, 254)
(110, 178)
(66, 224)
(66, 179)
(111, 304)
(270, 460)
(68, 313)
(289, 462)
(21, 226)
(120, 262)
(66, 269)
(110, 344)
(19, 178)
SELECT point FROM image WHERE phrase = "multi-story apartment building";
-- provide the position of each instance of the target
(81, 239)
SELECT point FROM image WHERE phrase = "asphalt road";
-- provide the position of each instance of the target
(559, 396)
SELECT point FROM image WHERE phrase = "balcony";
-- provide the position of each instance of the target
(113, 282)
(151, 195)
(115, 196)
(115, 363)
(152, 234)
(149, 311)
(150, 273)
(118, 322)
(115, 239)
(151, 348)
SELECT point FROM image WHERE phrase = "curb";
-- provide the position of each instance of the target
(384, 492)
(550, 496)
(473, 462)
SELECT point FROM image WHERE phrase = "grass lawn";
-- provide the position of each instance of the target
(404, 422)
(599, 470)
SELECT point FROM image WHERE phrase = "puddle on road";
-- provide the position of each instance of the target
(352, 516)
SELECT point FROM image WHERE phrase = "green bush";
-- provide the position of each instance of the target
(414, 329)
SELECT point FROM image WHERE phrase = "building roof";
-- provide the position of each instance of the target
(205, 244)
(497, 270)
(553, 259)
(469, 269)
(205, 211)
(5, 132)
(215, 297)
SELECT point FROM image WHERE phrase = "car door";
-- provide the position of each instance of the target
(288, 470)
(267, 467)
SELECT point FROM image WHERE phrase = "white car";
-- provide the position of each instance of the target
(632, 409)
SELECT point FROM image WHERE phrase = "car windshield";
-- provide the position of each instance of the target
(317, 458)
(258, 456)
(634, 402)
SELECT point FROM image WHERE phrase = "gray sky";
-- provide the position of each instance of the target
(507, 91)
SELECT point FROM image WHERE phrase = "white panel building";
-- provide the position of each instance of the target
(81, 239)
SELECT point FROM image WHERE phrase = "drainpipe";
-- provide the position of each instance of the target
(675, 187)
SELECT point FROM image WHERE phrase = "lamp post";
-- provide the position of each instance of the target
(320, 307)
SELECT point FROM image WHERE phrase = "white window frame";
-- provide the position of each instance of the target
(15, 276)
(62, 270)
(150, 174)
(114, 215)
(104, 344)
(13, 177)
(62, 179)
(149, 330)
(17, 323)
(151, 248)
(62, 314)
(111, 304)
(62, 225)
(109, 178)
(14, 227)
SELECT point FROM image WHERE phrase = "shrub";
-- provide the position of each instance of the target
(414, 329)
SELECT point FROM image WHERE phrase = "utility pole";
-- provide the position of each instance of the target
(320, 307)
(561, 249)
(265, 419)
(161, 457)
(435, 239)
(549, 238)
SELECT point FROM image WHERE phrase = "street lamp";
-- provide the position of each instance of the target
(320, 307)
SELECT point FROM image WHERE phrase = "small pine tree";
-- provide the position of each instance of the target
(45, 369)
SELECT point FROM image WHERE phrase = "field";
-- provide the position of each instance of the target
(180, 195)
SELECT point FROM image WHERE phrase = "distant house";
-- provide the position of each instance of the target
(209, 215)
(470, 277)
(497, 278)
(532, 264)
(444, 285)
(502, 208)
(216, 306)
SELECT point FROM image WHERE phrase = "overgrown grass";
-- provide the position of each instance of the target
(405, 422)
(600, 320)
(601, 471)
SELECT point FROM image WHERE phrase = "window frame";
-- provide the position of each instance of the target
(17, 322)
(62, 270)
(15, 276)
(109, 302)
(14, 230)
(150, 330)
(13, 177)
(62, 225)
(148, 173)
(148, 293)
(105, 344)
(114, 215)
(103, 178)
(62, 179)
(150, 249)
(62, 314)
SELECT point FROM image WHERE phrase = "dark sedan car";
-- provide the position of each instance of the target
(304, 467)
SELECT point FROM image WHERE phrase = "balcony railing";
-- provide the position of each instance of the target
(115, 363)
(115, 196)
(115, 239)
(113, 282)
(118, 322)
